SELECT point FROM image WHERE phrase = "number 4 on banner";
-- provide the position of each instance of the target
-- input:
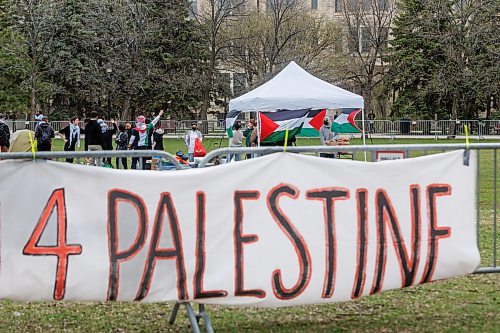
(61, 250)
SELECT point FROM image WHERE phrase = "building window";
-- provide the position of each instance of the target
(384, 37)
(193, 10)
(353, 41)
(338, 6)
(274, 4)
(223, 85)
(239, 84)
(314, 4)
(383, 4)
(366, 39)
(239, 6)
(338, 47)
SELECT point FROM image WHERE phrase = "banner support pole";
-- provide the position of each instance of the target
(193, 317)
(364, 132)
(258, 129)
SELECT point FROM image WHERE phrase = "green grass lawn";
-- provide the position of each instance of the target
(468, 304)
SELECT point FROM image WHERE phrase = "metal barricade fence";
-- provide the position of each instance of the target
(92, 157)
(489, 127)
(486, 189)
(385, 128)
(452, 128)
(207, 127)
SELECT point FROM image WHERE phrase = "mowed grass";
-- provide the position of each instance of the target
(468, 304)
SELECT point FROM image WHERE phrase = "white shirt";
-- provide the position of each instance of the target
(193, 135)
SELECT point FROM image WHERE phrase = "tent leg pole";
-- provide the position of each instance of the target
(258, 129)
(364, 131)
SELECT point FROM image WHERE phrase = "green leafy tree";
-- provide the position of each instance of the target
(443, 58)
(74, 56)
(13, 99)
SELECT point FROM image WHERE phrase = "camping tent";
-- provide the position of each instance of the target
(20, 141)
(293, 89)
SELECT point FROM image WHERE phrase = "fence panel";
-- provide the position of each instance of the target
(489, 127)
(383, 127)
(386, 128)
(457, 127)
(207, 127)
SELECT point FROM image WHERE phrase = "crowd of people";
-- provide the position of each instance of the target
(145, 134)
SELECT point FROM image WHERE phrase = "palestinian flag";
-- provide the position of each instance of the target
(344, 123)
(230, 120)
(273, 125)
(313, 123)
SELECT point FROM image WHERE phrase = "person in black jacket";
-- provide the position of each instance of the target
(44, 135)
(108, 136)
(158, 137)
(4, 135)
(71, 136)
(94, 140)
(121, 144)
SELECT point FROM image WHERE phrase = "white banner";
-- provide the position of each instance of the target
(280, 230)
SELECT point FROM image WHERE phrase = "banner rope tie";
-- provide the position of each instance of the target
(467, 146)
(286, 139)
(32, 144)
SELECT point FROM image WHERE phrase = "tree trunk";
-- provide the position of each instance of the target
(33, 94)
(454, 112)
(206, 103)
(488, 106)
(207, 88)
(126, 109)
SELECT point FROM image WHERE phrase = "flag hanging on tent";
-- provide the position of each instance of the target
(344, 123)
(313, 123)
(273, 125)
(230, 119)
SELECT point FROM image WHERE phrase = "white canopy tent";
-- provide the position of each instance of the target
(293, 89)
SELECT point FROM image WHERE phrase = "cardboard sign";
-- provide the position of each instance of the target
(274, 231)
(390, 155)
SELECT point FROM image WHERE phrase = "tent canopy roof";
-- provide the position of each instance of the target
(292, 89)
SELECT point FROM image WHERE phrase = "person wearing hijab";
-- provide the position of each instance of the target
(140, 136)
(327, 137)
(71, 136)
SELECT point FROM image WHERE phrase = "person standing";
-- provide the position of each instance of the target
(150, 131)
(108, 133)
(44, 135)
(236, 141)
(71, 136)
(371, 122)
(139, 140)
(190, 138)
(158, 137)
(94, 140)
(247, 133)
(121, 144)
(4, 135)
(128, 128)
